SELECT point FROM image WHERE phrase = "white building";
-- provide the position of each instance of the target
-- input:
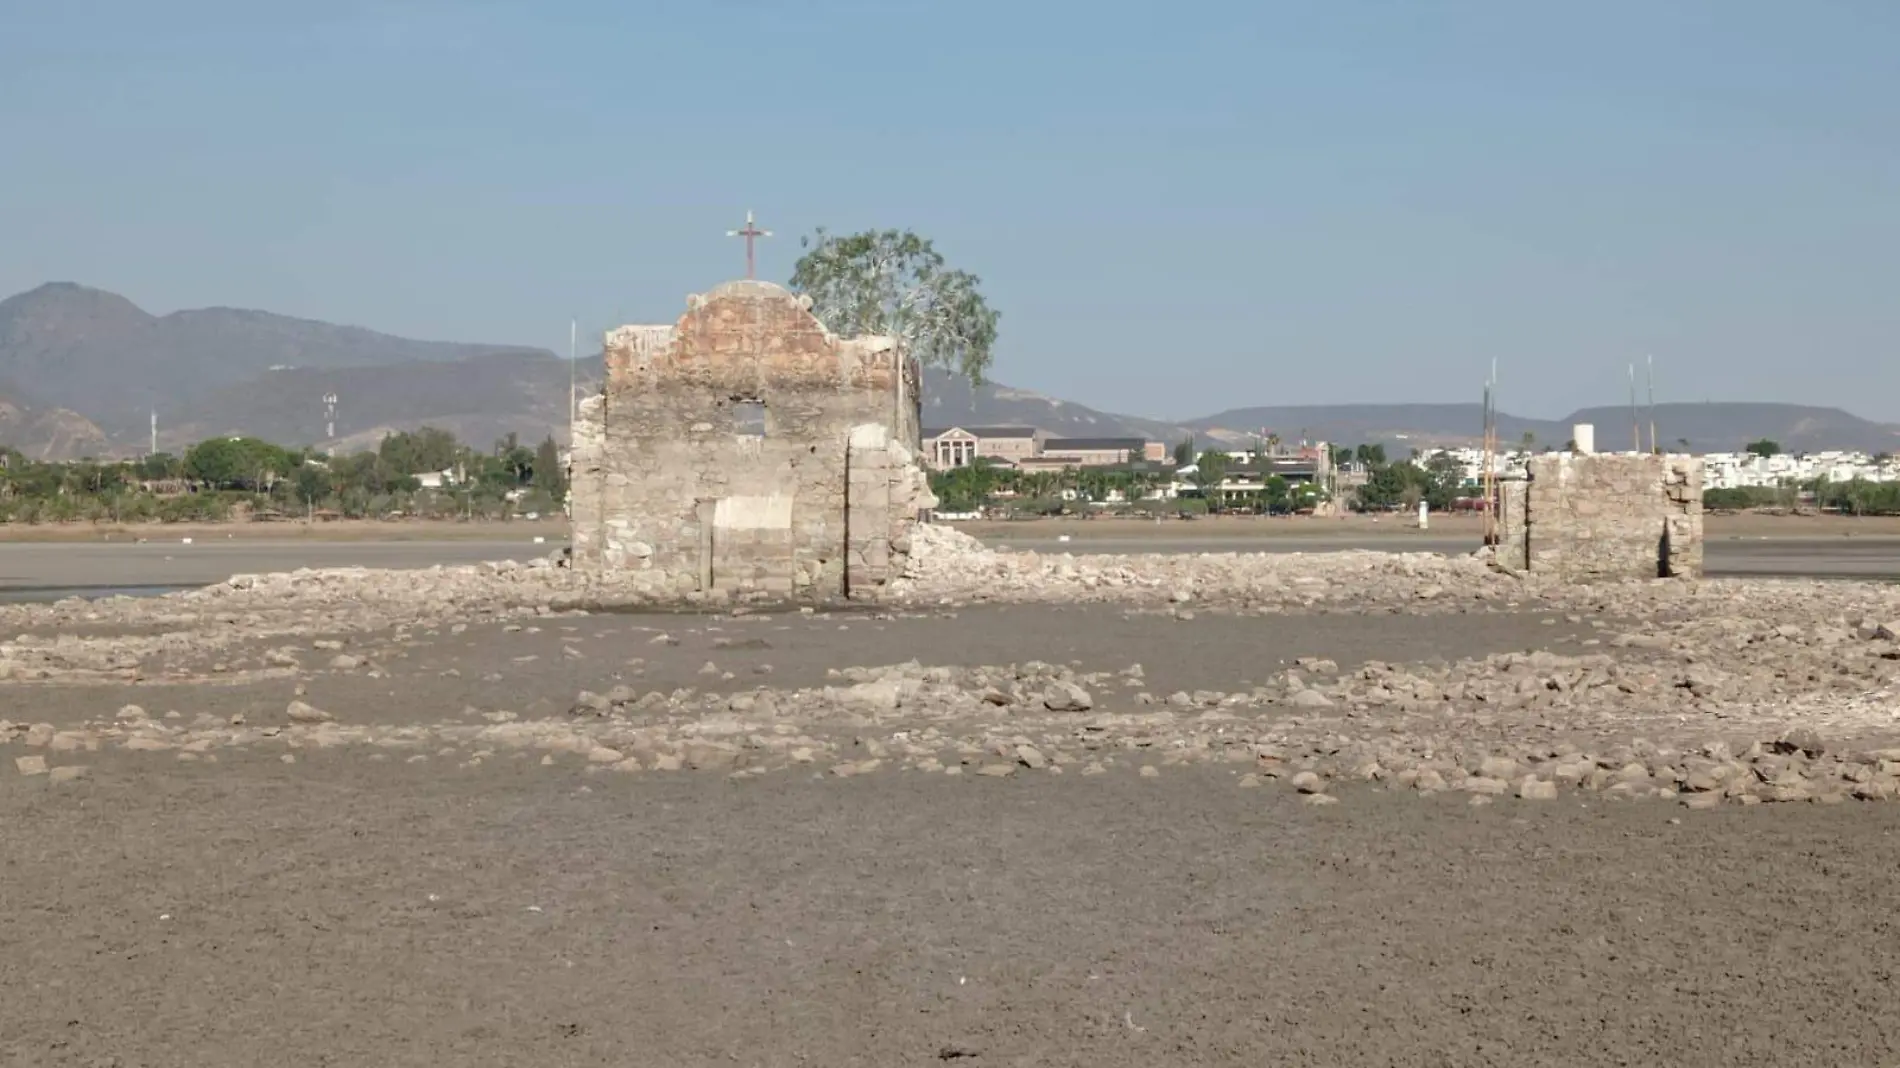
(1735, 470)
(1720, 470)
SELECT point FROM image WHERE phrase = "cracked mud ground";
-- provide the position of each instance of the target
(346, 913)
(348, 910)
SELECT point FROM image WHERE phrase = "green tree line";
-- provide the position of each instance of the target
(1854, 497)
(222, 477)
(983, 484)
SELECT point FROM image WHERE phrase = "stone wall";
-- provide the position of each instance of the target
(1604, 516)
(746, 450)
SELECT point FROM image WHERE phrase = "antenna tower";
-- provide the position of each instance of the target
(1652, 402)
(1488, 476)
(1636, 427)
(329, 417)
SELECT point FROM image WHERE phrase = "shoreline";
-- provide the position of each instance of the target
(340, 530)
(1209, 528)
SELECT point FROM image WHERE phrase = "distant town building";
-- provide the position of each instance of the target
(960, 446)
(1029, 448)
(1091, 452)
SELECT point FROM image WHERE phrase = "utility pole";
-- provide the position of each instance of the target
(1636, 428)
(1652, 402)
(154, 451)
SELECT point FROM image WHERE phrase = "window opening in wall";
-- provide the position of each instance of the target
(748, 417)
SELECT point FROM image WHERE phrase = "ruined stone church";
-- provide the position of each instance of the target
(746, 450)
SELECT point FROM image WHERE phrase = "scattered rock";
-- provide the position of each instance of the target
(1064, 696)
(1309, 698)
(306, 714)
(1532, 788)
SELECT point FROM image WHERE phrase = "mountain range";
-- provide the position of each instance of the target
(82, 371)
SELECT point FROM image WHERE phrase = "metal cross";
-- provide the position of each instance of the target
(749, 233)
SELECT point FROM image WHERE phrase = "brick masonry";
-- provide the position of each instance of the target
(1604, 516)
(746, 450)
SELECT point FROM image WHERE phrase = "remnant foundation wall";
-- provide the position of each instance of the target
(745, 449)
(1591, 517)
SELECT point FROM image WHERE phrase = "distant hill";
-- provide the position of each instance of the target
(1419, 425)
(1708, 427)
(480, 398)
(50, 434)
(69, 346)
(1728, 426)
(81, 369)
(951, 401)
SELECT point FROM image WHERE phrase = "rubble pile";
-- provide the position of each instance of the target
(1705, 691)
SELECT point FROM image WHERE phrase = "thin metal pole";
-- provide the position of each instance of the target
(1652, 402)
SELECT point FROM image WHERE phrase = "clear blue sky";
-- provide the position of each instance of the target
(1178, 207)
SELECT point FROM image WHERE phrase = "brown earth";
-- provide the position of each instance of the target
(336, 912)
(292, 903)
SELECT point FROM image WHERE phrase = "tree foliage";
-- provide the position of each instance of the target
(895, 283)
(1210, 470)
(1403, 485)
(218, 475)
(425, 450)
(1369, 455)
(1764, 447)
(238, 463)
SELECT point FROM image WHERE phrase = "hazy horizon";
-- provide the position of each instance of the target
(1286, 203)
(588, 347)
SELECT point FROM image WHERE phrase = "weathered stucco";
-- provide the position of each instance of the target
(746, 450)
(1588, 517)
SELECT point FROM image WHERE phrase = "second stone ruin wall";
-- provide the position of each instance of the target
(1605, 516)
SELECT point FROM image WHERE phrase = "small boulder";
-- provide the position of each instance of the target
(1065, 696)
(1310, 699)
(1532, 788)
(299, 712)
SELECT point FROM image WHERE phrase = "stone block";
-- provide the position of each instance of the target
(1604, 516)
